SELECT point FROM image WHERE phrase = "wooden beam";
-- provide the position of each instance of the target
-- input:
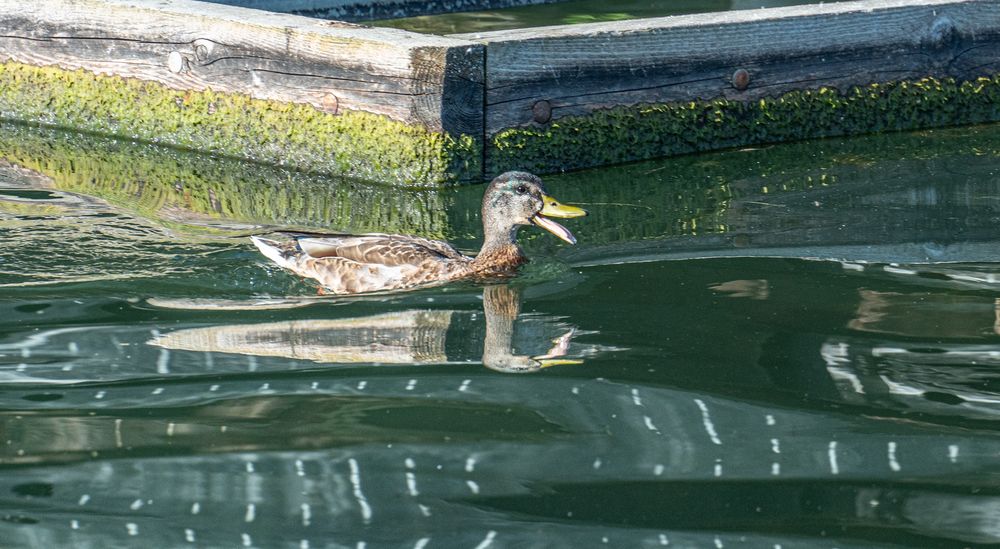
(537, 75)
(188, 45)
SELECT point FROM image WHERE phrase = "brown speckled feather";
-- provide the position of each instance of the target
(369, 263)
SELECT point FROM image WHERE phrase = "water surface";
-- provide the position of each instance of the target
(573, 12)
(791, 346)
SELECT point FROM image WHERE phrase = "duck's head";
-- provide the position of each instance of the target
(519, 198)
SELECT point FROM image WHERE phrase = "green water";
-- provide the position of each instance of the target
(792, 346)
(573, 12)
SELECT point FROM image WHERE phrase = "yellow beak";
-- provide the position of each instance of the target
(552, 208)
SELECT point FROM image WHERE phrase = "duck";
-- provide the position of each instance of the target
(353, 264)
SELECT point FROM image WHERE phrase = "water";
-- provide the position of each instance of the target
(792, 346)
(573, 12)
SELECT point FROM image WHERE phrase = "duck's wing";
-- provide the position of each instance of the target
(367, 263)
(379, 249)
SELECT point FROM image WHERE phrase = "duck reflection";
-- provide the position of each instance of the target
(401, 337)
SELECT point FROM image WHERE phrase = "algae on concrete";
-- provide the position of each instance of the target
(628, 133)
(352, 143)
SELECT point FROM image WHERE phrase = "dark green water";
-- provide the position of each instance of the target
(573, 12)
(793, 346)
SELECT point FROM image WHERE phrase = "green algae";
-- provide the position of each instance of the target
(352, 143)
(627, 133)
(185, 190)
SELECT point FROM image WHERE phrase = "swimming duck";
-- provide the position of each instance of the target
(351, 264)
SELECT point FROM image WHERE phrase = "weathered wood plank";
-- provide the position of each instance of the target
(369, 10)
(188, 45)
(534, 75)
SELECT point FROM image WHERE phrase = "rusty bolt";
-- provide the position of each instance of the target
(541, 111)
(741, 79)
(330, 103)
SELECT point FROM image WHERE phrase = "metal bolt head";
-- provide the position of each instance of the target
(541, 111)
(176, 62)
(741, 79)
(330, 103)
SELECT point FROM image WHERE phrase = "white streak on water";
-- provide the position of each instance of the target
(769, 419)
(74, 524)
(100, 394)
(597, 463)
(195, 508)
(891, 451)
(473, 487)
(470, 464)
(488, 541)
(658, 469)
(251, 513)
(465, 385)
(707, 420)
(953, 453)
(718, 467)
(411, 384)
(366, 510)
(132, 528)
(189, 535)
(136, 505)
(424, 510)
(163, 362)
(157, 391)
(635, 397)
(249, 467)
(649, 424)
(775, 446)
(84, 499)
(362, 385)
(421, 543)
(306, 514)
(247, 540)
(775, 468)
(664, 540)
(118, 433)
(411, 484)
(832, 454)
(300, 469)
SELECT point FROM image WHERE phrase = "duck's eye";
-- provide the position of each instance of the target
(521, 189)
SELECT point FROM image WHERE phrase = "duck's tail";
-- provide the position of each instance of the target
(282, 253)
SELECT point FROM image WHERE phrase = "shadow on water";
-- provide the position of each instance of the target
(709, 385)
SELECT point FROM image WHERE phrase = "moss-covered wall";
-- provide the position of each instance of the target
(355, 144)
(375, 148)
(628, 133)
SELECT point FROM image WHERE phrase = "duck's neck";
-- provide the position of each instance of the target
(500, 252)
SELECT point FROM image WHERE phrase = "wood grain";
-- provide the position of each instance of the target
(186, 44)
(581, 68)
